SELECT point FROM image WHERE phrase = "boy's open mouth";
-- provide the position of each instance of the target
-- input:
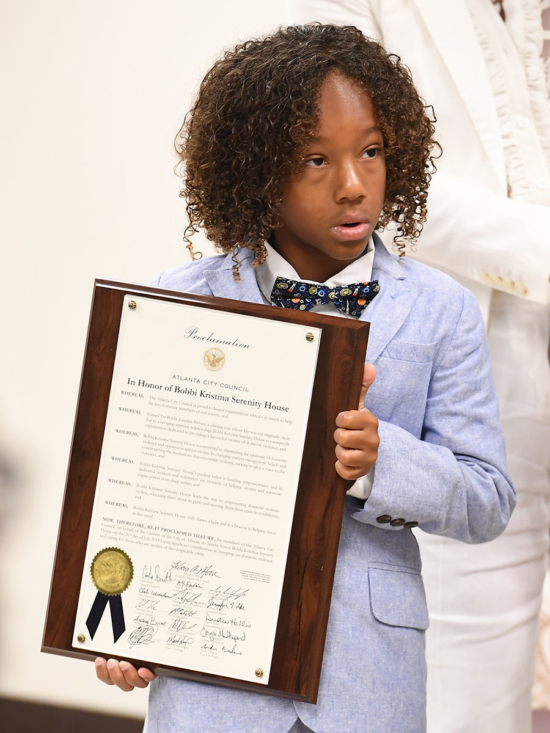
(351, 230)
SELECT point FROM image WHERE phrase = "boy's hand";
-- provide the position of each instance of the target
(122, 674)
(356, 435)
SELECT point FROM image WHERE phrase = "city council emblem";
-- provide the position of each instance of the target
(214, 359)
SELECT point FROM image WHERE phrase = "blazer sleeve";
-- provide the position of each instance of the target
(453, 479)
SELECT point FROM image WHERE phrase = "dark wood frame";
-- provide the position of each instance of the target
(307, 589)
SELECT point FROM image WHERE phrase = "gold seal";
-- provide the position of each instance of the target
(214, 359)
(112, 571)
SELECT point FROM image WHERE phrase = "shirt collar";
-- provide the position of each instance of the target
(276, 266)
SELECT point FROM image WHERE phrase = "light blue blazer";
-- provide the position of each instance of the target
(441, 463)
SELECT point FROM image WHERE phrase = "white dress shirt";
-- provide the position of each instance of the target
(358, 272)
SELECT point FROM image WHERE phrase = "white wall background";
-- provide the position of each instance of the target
(92, 97)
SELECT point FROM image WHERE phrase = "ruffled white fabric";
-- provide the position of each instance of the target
(547, 71)
(516, 171)
(524, 24)
(536, 71)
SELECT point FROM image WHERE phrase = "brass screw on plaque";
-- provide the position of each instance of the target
(81, 638)
(259, 672)
(309, 336)
(132, 305)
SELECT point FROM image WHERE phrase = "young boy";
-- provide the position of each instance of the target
(298, 147)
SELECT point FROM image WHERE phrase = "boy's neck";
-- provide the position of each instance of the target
(309, 262)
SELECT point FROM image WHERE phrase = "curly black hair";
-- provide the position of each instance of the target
(256, 112)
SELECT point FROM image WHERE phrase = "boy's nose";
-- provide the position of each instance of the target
(349, 185)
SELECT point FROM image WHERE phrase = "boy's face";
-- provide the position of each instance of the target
(329, 210)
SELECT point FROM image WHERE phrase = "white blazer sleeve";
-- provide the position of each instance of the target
(338, 12)
(488, 238)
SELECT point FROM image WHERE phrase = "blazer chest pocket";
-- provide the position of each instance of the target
(398, 598)
(408, 351)
(398, 395)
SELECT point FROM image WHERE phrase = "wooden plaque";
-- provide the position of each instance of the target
(306, 592)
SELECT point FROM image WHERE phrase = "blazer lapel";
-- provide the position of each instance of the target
(388, 311)
(223, 284)
(453, 33)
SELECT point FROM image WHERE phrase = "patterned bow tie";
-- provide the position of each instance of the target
(350, 299)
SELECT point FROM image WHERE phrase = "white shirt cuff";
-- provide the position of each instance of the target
(362, 488)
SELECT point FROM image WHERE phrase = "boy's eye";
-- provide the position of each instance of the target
(315, 162)
(372, 153)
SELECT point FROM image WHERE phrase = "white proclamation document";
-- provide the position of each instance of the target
(196, 489)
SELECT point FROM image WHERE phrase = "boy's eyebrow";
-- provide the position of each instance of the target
(321, 138)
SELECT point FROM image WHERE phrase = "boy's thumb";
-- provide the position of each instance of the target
(369, 373)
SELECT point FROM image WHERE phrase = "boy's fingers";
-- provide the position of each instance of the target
(350, 474)
(123, 674)
(349, 457)
(369, 374)
(117, 676)
(356, 419)
(131, 675)
(146, 674)
(102, 672)
(349, 438)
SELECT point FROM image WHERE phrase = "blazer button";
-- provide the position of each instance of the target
(383, 519)
(397, 522)
(410, 525)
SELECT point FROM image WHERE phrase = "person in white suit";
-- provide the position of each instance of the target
(481, 65)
